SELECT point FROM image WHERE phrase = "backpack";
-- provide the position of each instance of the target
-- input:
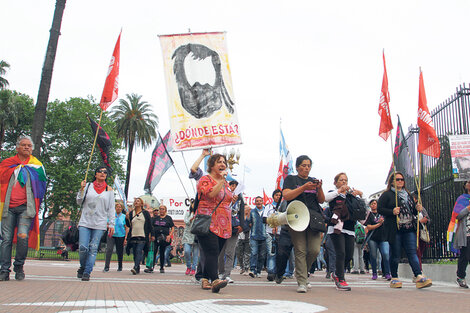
(359, 233)
(357, 208)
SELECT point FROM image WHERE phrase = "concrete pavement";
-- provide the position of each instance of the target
(52, 286)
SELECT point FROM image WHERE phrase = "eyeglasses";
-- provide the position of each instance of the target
(399, 179)
(102, 171)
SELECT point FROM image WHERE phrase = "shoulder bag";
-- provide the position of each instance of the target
(317, 220)
(202, 223)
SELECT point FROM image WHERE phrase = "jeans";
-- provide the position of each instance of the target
(464, 259)
(226, 256)
(258, 254)
(384, 248)
(191, 255)
(160, 247)
(407, 240)
(344, 248)
(290, 264)
(243, 254)
(271, 254)
(16, 218)
(357, 258)
(330, 249)
(138, 251)
(110, 243)
(89, 240)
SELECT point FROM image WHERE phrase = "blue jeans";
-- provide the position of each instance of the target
(290, 264)
(407, 240)
(16, 218)
(138, 252)
(89, 241)
(271, 256)
(191, 253)
(258, 253)
(384, 248)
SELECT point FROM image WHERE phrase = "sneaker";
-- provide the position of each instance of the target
(168, 265)
(80, 272)
(355, 272)
(229, 280)
(328, 275)
(205, 284)
(242, 272)
(279, 279)
(148, 270)
(135, 271)
(341, 284)
(423, 282)
(258, 275)
(388, 277)
(218, 284)
(4, 276)
(192, 273)
(362, 272)
(162, 270)
(302, 289)
(252, 275)
(309, 286)
(374, 276)
(461, 282)
(85, 277)
(106, 269)
(119, 269)
(414, 280)
(188, 270)
(395, 283)
(271, 277)
(19, 273)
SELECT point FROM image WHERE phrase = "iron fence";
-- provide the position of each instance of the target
(438, 188)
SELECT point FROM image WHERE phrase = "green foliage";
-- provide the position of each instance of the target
(3, 69)
(68, 141)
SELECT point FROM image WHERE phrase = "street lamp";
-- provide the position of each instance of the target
(232, 158)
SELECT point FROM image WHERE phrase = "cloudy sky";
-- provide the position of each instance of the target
(317, 65)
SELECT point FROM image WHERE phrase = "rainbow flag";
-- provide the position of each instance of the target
(462, 202)
(14, 166)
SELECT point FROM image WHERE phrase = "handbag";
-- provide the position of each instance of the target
(424, 234)
(70, 236)
(202, 223)
(317, 220)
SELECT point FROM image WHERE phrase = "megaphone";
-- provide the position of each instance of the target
(296, 216)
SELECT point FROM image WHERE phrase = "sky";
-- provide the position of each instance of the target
(312, 67)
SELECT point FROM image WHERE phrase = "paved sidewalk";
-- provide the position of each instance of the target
(52, 286)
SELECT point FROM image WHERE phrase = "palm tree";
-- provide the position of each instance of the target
(135, 124)
(3, 69)
(46, 78)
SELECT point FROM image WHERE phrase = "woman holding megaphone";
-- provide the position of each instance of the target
(309, 191)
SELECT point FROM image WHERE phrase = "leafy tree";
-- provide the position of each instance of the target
(135, 124)
(3, 69)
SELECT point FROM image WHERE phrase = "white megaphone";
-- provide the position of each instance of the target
(296, 216)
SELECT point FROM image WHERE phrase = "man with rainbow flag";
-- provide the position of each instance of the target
(22, 189)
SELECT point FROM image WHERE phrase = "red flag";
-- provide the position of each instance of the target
(266, 199)
(110, 90)
(384, 107)
(279, 176)
(428, 141)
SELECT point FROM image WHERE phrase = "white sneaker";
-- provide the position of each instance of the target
(221, 276)
(229, 280)
(309, 286)
(258, 275)
(302, 289)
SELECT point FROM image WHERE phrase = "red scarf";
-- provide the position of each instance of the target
(99, 187)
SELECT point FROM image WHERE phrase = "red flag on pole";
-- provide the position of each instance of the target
(428, 141)
(279, 176)
(384, 107)
(265, 198)
(110, 90)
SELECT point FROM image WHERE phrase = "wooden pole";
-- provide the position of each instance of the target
(93, 148)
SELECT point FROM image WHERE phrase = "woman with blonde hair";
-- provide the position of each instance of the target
(140, 232)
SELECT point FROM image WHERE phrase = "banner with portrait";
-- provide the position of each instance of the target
(460, 154)
(201, 103)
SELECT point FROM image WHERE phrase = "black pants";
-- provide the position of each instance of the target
(110, 243)
(211, 245)
(344, 249)
(284, 248)
(162, 246)
(464, 259)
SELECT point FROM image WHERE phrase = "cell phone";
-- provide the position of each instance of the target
(316, 181)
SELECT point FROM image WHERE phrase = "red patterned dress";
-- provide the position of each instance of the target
(221, 223)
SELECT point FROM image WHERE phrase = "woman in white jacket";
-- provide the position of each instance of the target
(97, 215)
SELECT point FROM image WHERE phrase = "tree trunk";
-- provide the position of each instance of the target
(128, 173)
(46, 77)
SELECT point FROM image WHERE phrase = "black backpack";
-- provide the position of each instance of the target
(356, 207)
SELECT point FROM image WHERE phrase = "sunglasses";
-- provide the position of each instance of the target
(102, 171)
(399, 179)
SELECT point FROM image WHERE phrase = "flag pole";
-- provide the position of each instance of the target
(186, 165)
(93, 147)
(395, 179)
